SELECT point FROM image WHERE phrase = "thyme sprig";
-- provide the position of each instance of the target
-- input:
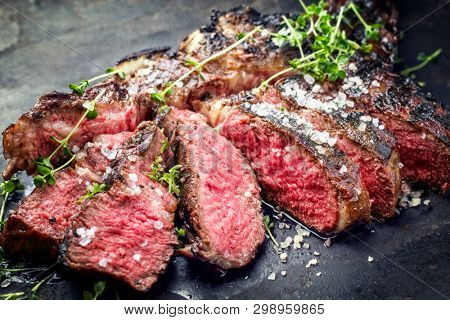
(268, 225)
(424, 60)
(8, 187)
(171, 178)
(13, 296)
(319, 34)
(160, 96)
(46, 171)
(92, 191)
(83, 84)
(99, 288)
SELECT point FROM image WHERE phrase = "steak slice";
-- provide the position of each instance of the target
(127, 233)
(420, 123)
(220, 201)
(36, 228)
(298, 167)
(55, 114)
(359, 136)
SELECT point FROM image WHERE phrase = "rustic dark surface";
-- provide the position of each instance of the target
(411, 253)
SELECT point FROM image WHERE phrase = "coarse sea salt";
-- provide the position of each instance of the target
(86, 235)
(137, 257)
(158, 225)
(103, 262)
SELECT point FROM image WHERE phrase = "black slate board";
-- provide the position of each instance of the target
(411, 253)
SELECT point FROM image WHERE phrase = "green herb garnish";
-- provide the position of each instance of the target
(171, 178)
(321, 34)
(8, 187)
(269, 225)
(425, 59)
(156, 169)
(160, 96)
(92, 191)
(12, 296)
(46, 171)
(83, 84)
(181, 233)
(195, 64)
(98, 287)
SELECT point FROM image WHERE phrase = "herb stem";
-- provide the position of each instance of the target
(9, 296)
(104, 75)
(266, 82)
(294, 33)
(358, 15)
(425, 61)
(40, 283)
(5, 198)
(209, 59)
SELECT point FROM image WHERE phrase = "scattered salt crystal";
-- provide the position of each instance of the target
(400, 165)
(362, 126)
(75, 149)
(133, 177)
(103, 262)
(283, 257)
(88, 145)
(309, 79)
(352, 67)
(316, 88)
(272, 276)
(306, 246)
(137, 256)
(6, 283)
(247, 194)
(312, 262)
(318, 274)
(375, 83)
(316, 253)
(415, 202)
(375, 122)
(370, 259)
(86, 235)
(381, 127)
(426, 202)
(283, 273)
(343, 169)
(158, 225)
(286, 243)
(366, 118)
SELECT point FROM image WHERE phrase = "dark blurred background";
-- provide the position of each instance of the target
(411, 252)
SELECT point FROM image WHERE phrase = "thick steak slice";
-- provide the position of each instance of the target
(420, 123)
(359, 136)
(220, 201)
(36, 228)
(298, 167)
(55, 114)
(127, 233)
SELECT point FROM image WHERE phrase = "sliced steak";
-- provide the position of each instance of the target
(127, 233)
(359, 136)
(220, 201)
(55, 114)
(36, 228)
(298, 167)
(420, 123)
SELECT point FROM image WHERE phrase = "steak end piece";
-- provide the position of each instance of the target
(220, 199)
(314, 182)
(127, 233)
(36, 228)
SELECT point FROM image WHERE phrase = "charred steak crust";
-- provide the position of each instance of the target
(36, 228)
(359, 136)
(220, 202)
(126, 233)
(275, 143)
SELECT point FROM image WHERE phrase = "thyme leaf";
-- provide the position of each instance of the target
(268, 225)
(98, 289)
(92, 191)
(425, 59)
